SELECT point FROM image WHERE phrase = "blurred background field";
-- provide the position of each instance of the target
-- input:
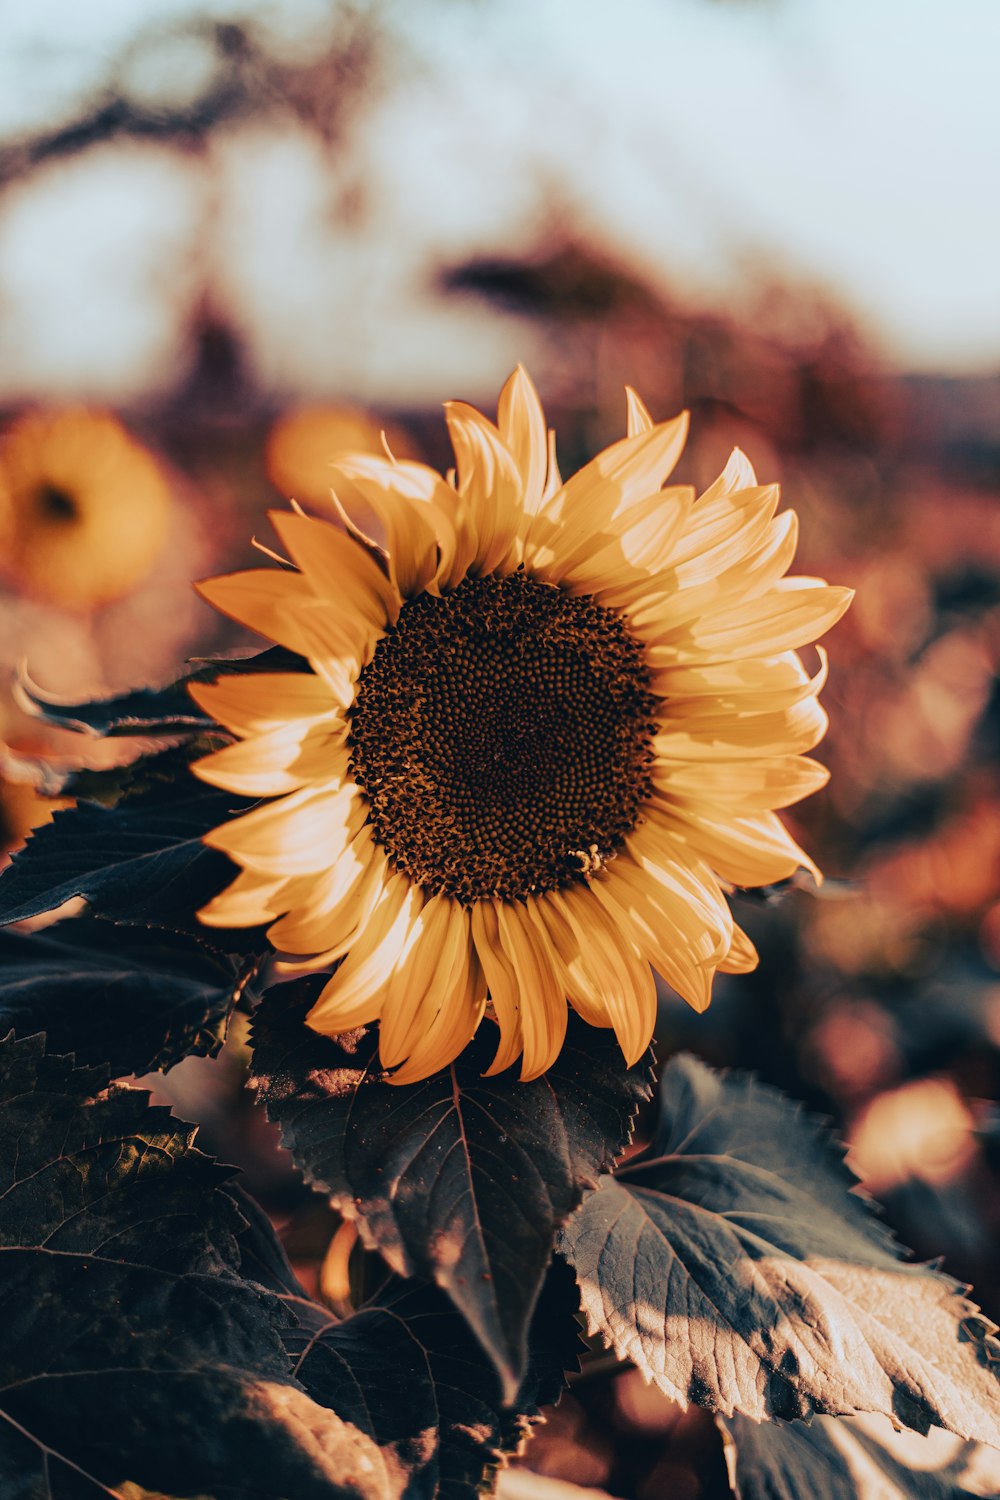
(235, 236)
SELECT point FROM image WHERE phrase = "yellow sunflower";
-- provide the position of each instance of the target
(84, 508)
(545, 730)
(302, 442)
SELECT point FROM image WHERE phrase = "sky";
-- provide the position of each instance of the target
(844, 146)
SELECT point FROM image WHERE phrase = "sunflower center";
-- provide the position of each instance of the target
(502, 735)
(57, 504)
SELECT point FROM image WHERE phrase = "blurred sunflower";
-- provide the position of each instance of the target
(301, 444)
(546, 727)
(84, 508)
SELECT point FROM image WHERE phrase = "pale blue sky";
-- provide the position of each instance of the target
(845, 145)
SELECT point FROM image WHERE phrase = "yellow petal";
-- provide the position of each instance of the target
(452, 1027)
(638, 418)
(256, 702)
(618, 478)
(633, 547)
(502, 983)
(683, 883)
(743, 786)
(301, 834)
(282, 760)
(729, 680)
(720, 536)
(336, 568)
(249, 901)
(742, 957)
(737, 475)
(368, 489)
(752, 557)
(337, 904)
(735, 736)
(661, 928)
(432, 948)
(426, 1015)
(489, 484)
(578, 984)
(745, 851)
(747, 699)
(622, 979)
(268, 601)
(794, 613)
(544, 1016)
(521, 423)
(354, 996)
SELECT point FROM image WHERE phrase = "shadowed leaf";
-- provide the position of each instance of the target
(407, 1370)
(461, 1179)
(141, 861)
(168, 710)
(735, 1265)
(854, 1458)
(135, 1000)
(130, 1345)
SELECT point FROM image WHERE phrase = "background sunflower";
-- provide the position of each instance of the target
(84, 508)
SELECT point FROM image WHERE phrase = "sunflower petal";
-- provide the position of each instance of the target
(408, 536)
(608, 486)
(249, 901)
(258, 702)
(267, 601)
(354, 995)
(338, 904)
(521, 423)
(433, 1003)
(336, 568)
(660, 930)
(794, 613)
(623, 981)
(282, 760)
(502, 983)
(300, 834)
(742, 786)
(745, 851)
(742, 957)
(638, 418)
(489, 484)
(544, 1016)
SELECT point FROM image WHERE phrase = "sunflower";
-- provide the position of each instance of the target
(545, 729)
(302, 442)
(84, 508)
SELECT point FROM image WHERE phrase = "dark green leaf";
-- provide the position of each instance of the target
(737, 1267)
(461, 1179)
(141, 861)
(407, 1371)
(860, 1458)
(167, 710)
(131, 1347)
(133, 999)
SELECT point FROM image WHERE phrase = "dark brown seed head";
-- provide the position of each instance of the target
(502, 735)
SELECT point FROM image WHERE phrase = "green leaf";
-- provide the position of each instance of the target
(738, 1267)
(168, 710)
(860, 1458)
(141, 861)
(131, 1347)
(461, 1179)
(135, 1000)
(407, 1371)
